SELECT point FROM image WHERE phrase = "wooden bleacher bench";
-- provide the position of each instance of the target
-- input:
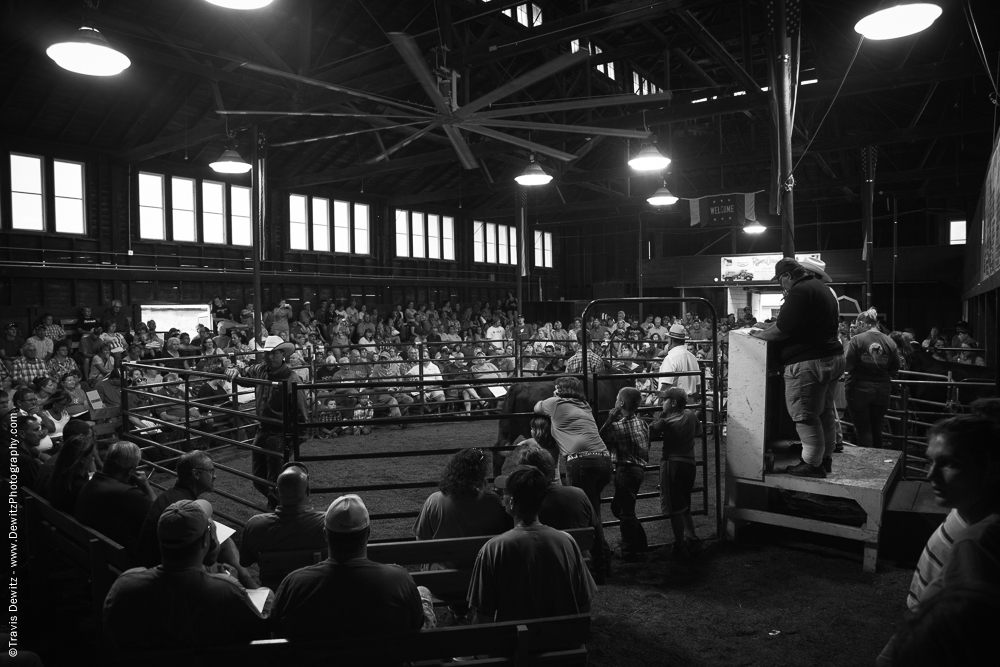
(446, 585)
(99, 558)
(559, 640)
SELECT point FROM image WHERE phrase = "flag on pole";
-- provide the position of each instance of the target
(731, 210)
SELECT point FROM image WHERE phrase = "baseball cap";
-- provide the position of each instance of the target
(384, 355)
(11, 325)
(502, 481)
(346, 514)
(677, 331)
(183, 522)
(784, 265)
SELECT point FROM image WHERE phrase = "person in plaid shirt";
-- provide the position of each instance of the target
(595, 364)
(53, 332)
(627, 437)
(29, 366)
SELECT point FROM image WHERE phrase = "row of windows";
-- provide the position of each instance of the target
(28, 189)
(528, 14)
(173, 208)
(177, 209)
(422, 235)
(641, 86)
(309, 225)
(608, 69)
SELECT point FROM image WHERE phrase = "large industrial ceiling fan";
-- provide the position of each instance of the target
(471, 117)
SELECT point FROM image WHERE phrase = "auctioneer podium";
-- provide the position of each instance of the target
(758, 424)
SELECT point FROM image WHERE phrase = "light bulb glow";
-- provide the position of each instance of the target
(240, 4)
(533, 175)
(662, 197)
(898, 21)
(230, 162)
(649, 159)
(754, 227)
(88, 52)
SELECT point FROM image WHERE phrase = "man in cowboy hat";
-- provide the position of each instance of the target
(270, 402)
(805, 336)
(679, 360)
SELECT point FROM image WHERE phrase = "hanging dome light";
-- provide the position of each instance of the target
(533, 174)
(753, 227)
(649, 159)
(230, 162)
(88, 52)
(241, 4)
(662, 197)
(898, 21)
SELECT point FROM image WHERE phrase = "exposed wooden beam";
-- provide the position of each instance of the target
(236, 21)
(710, 44)
(174, 142)
(400, 164)
(603, 19)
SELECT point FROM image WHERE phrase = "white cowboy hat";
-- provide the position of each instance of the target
(816, 266)
(275, 343)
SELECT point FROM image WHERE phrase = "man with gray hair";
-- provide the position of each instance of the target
(117, 499)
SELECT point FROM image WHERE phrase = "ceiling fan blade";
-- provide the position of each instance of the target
(335, 88)
(518, 141)
(539, 73)
(558, 127)
(405, 142)
(338, 135)
(414, 59)
(326, 114)
(465, 155)
(568, 105)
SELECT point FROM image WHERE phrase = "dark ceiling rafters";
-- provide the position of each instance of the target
(189, 57)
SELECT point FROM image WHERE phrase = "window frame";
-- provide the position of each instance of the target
(482, 230)
(312, 228)
(56, 197)
(544, 255)
(406, 232)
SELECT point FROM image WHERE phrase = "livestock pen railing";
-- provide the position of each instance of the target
(228, 419)
(707, 409)
(908, 418)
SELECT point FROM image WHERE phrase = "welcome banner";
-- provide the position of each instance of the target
(730, 210)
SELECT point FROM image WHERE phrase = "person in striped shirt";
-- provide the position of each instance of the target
(964, 452)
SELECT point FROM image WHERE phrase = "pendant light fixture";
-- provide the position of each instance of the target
(240, 4)
(88, 52)
(662, 197)
(649, 159)
(753, 227)
(230, 162)
(898, 21)
(533, 174)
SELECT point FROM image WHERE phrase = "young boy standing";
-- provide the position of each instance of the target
(679, 427)
(627, 438)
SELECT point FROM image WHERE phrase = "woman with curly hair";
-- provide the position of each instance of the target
(463, 507)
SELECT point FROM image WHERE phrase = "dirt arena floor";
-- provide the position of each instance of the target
(777, 597)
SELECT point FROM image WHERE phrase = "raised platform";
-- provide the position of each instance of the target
(862, 475)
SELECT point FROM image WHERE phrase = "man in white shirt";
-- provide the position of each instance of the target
(496, 334)
(431, 373)
(679, 360)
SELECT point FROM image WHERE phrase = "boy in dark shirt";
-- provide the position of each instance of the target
(679, 428)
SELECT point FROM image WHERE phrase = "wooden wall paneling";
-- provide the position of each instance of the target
(144, 291)
(58, 294)
(87, 292)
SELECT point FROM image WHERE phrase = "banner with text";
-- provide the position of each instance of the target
(731, 210)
